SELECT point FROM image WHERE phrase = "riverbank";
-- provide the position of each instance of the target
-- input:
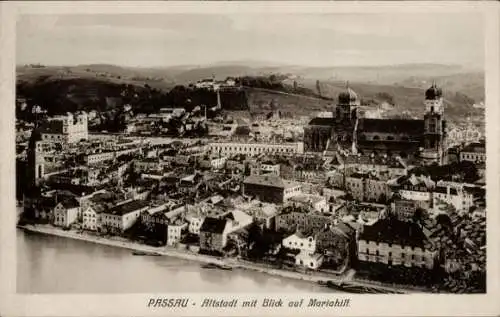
(187, 255)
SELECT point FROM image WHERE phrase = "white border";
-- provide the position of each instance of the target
(12, 304)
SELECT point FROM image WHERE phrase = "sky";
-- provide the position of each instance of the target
(160, 40)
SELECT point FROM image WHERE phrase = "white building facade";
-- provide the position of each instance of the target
(252, 149)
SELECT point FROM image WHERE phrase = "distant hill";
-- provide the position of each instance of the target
(470, 84)
(73, 93)
(94, 86)
(98, 72)
(408, 99)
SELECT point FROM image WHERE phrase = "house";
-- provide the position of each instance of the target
(367, 187)
(123, 216)
(43, 208)
(266, 167)
(304, 219)
(215, 162)
(310, 175)
(315, 202)
(395, 242)
(148, 164)
(417, 188)
(474, 152)
(176, 230)
(154, 224)
(270, 188)
(337, 243)
(153, 217)
(66, 212)
(382, 166)
(190, 183)
(459, 197)
(308, 260)
(90, 217)
(213, 234)
(195, 221)
(265, 215)
(305, 242)
(238, 220)
(230, 82)
(404, 209)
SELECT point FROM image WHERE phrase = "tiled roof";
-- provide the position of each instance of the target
(395, 232)
(322, 121)
(443, 190)
(475, 147)
(213, 225)
(69, 203)
(128, 207)
(412, 127)
(373, 160)
(268, 180)
(346, 228)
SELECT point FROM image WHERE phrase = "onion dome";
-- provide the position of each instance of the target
(348, 96)
(433, 92)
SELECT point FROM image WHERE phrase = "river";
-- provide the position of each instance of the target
(49, 264)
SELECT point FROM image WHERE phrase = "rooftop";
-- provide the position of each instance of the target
(270, 181)
(412, 127)
(70, 203)
(322, 121)
(477, 147)
(213, 225)
(128, 207)
(394, 232)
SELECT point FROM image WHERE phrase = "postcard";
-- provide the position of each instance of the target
(249, 158)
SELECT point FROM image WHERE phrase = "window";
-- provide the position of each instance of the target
(390, 254)
(367, 251)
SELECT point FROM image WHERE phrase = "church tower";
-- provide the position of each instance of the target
(346, 109)
(434, 126)
(36, 166)
(346, 116)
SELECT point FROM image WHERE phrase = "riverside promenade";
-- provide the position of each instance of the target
(313, 277)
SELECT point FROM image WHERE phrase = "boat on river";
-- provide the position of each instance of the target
(143, 253)
(217, 266)
(356, 289)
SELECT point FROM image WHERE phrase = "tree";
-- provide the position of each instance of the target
(318, 87)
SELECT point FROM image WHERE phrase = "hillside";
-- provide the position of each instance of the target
(70, 94)
(102, 73)
(101, 87)
(262, 101)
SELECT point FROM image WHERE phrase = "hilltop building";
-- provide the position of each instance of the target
(347, 130)
(69, 128)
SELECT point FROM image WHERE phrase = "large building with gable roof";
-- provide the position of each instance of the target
(346, 129)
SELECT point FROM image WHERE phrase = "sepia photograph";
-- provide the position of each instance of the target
(328, 153)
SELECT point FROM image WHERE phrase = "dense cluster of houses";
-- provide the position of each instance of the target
(328, 212)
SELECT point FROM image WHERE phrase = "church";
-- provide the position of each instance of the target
(347, 130)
